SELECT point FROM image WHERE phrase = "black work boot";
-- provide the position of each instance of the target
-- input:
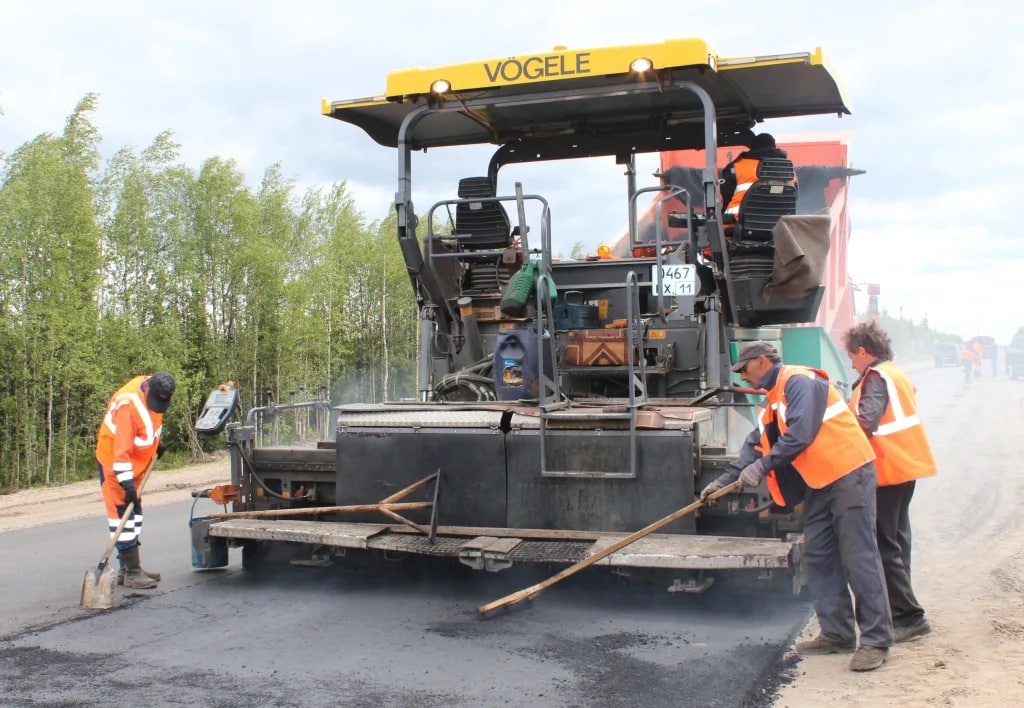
(151, 574)
(825, 645)
(912, 632)
(134, 576)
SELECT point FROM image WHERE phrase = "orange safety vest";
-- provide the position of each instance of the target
(839, 448)
(902, 452)
(746, 177)
(129, 434)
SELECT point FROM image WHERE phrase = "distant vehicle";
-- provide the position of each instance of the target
(946, 354)
(1015, 356)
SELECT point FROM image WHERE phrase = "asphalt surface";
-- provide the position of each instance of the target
(397, 636)
(394, 636)
(352, 641)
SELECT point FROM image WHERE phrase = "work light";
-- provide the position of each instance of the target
(640, 65)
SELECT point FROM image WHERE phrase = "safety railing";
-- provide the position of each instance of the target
(522, 233)
(555, 408)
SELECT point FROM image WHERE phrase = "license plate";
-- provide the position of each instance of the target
(676, 280)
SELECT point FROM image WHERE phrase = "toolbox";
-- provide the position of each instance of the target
(573, 313)
(597, 347)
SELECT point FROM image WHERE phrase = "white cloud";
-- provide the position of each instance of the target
(950, 257)
(935, 88)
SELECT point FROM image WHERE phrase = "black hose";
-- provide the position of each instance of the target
(469, 378)
(481, 387)
(264, 487)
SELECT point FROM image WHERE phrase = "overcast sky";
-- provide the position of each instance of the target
(936, 89)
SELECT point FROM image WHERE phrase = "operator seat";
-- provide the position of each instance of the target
(483, 224)
(757, 295)
(768, 200)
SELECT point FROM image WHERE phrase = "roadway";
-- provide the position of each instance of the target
(379, 637)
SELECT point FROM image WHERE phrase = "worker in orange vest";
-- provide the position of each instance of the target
(967, 359)
(806, 431)
(741, 174)
(884, 400)
(979, 356)
(127, 441)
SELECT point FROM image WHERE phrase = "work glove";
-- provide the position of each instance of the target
(752, 474)
(160, 449)
(130, 495)
(709, 490)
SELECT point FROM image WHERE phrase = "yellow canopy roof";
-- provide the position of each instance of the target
(594, 94)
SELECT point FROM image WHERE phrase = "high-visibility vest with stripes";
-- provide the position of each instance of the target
(840, 447)
(746, 177)
(129, 434)
(902, 452)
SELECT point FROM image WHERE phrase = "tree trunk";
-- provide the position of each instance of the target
(49, 429)
(255, 351)
(384, 324)
(67, 427)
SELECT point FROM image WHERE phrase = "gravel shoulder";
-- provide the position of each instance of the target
(50, 505)
(968, 564)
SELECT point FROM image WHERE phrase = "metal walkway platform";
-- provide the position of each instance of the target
(495, 549)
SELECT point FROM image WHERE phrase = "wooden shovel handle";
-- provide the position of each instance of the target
(105, 558)
(534, 590)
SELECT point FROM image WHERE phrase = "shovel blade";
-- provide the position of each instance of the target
(98, 589)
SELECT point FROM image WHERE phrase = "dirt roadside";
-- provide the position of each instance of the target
(49, 505)
(968, 568)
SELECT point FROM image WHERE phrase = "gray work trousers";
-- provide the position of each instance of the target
(841, 554)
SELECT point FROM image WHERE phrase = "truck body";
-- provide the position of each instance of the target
(1015, 355)
(561, 404)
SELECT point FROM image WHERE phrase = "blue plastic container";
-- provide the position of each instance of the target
(516, 369)
(207, 552)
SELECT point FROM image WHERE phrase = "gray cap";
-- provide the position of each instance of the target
(752, 350)
(159, 389)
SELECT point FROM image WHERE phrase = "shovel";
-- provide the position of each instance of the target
(98, 584)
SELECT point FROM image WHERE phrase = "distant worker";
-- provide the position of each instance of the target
(604, 253)
(805, 427)
(979, 356)
(967, 359)
(741, 174)
(884, 400)
(128, 440)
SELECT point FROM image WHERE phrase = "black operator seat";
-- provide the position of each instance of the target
(480, 224)
(768, 200)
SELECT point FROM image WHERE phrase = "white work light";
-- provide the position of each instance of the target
(641, 64)
(440, 86)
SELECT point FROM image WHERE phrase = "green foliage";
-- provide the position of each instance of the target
(143, 264)
(49, 257)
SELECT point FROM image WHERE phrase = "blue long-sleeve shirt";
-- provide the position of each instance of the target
(806, 400)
